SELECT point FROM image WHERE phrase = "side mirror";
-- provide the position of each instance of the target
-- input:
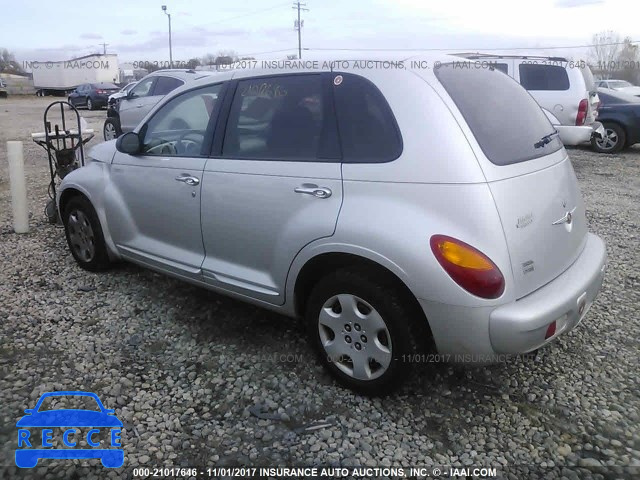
(130, 94)
(129, 143)
(29, 411)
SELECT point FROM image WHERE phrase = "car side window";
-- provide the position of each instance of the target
(179, 128)
(276, 118)
(368, 129)
(503, 67)
(165, 85)
(143, 88)
(543, 77)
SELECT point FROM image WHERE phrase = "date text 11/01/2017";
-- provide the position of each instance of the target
(310, 472)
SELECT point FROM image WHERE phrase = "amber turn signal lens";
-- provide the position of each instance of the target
(468, 267)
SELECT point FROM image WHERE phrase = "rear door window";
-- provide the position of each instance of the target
(506, 121)
(368, 130)
(165, 85)
(276, 118)
(543, 77)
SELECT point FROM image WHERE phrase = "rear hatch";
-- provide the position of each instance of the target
(530, 176)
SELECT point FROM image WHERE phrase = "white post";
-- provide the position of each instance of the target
(18, 187)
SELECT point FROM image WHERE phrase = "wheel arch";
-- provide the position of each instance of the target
(74, 190)
(620, 123)
(322, 264)
(67, 194)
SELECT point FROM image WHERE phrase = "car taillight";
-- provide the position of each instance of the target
(468, 267)
(101, 91)
(551, 330)
(582, 111)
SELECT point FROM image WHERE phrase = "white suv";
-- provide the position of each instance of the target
(565, 89)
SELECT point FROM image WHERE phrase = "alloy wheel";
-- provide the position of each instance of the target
(609, 140)
(109, 131)
(81, 235)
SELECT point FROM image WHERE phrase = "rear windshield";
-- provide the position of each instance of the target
(508, 124)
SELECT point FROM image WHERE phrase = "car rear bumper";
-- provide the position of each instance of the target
(521, 326)
(485, 335)
(573, 135)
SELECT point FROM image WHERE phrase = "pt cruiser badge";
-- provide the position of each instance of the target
(568, 217)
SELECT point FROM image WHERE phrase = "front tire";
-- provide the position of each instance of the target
(84, 235)
(90, 105)
(360, 327)
(613, 141)
(111, 129)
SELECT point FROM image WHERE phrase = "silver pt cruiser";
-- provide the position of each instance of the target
(390, 208)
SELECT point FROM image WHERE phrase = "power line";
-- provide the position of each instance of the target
(264, 53)
(473, 49)
(255, 12)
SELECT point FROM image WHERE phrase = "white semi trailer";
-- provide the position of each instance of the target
(60, 78)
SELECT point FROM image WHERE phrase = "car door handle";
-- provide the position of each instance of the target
(312, 189)
(188, 179)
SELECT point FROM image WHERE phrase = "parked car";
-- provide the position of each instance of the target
(564, 89)
(121, 93)
(619, 85)
(92, 95)
(3, 89)
(389, 209)
(620, 115)
(125, 114)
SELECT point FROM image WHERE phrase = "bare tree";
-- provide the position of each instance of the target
(228, 54)
(629, 61)
(8, 62)
(604, 52)
(193, 63)
(208, 59)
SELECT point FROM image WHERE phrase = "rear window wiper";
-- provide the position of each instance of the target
(544, 140)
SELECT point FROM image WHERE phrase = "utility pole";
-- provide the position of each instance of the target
(299, 23)
(164, 9)
(104, 48)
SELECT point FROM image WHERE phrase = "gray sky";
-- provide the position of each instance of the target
(138, 29)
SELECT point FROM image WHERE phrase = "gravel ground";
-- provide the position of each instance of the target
(200, 379)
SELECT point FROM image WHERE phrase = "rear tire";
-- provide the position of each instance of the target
(613, 140)
(84, 235)
(360, 328)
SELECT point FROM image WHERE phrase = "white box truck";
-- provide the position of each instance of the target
(60, 78)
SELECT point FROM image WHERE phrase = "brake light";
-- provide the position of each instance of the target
(102, 91)
(468, 267)
(582, 111)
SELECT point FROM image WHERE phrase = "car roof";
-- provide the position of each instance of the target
(320, 64)
(181, 74)
(478, 55)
